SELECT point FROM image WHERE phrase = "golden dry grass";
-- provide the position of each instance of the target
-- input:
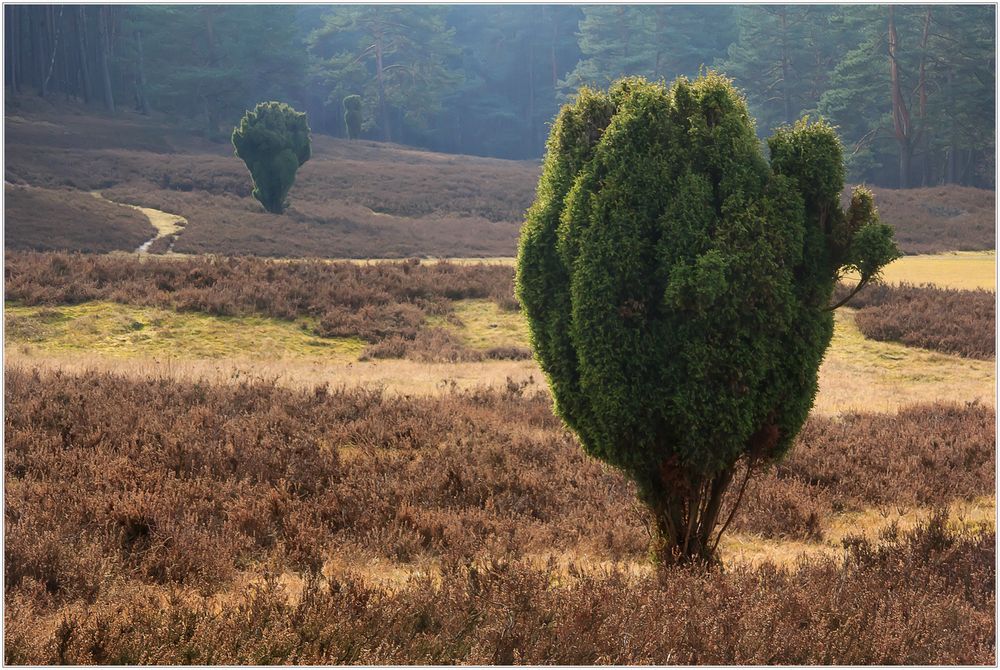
(482, 324)
(954, 269)
(963, 515)
(862, 374)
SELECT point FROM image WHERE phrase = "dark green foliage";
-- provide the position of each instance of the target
(352, 116)
(677, 286)
(273, 140)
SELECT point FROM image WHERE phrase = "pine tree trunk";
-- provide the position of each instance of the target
(552, 55)
(17, 67)
(900, 114)
(952, 148)
(140, 83)
(65, 56)
(210, 113)
(103, 53)
(905, 158)
(81, 48)
(53, 43)
(383, 112)
(531, 94)
(786, 99)
(10, 35)
(921, 135)
(37, 26)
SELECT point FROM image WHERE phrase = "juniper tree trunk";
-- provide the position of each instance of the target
(686, 515)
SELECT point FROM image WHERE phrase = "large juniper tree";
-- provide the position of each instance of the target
(678, 286)
(273, 141)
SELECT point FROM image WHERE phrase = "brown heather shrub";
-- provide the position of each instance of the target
(265, 468)
(939, 218)
(924, 598)
(383, 303)
(953, 321)
(386, 178)
(187, 483)
(938, 453)
(437, 345)
(123, 496)
(46, 220)
(330, 228)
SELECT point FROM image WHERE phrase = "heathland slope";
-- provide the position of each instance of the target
(351, 200)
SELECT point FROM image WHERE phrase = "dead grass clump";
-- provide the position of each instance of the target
(953, 321)
(47, 220)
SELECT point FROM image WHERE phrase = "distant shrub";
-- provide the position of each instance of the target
(273, 141)
(352, 116)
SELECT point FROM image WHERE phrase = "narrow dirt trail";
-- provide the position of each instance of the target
(166, 224)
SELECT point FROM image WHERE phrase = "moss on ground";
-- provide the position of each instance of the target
(482, 324)
(130, 331)
(857, 373)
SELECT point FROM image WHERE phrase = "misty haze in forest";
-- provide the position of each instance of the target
(910, 88)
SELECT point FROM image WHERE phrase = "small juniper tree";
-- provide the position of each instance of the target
(677, 286)
(273, 141)
(352, 116)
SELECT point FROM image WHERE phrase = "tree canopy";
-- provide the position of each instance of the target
(677, 285)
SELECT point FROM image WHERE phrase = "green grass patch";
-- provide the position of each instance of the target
(127, 330)
(482, 324)
(902, 363)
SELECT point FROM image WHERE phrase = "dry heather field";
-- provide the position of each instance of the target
(230, 459)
